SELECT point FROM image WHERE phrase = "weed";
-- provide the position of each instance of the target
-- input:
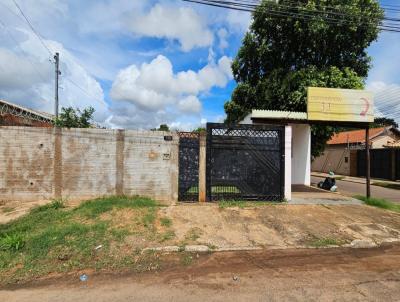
(55, 204)
(93, 208)
(186, 259)
(167, 236)
(119, 234)
(149, 218)
(53, 239)
(387, 185)
(380, 203)
(323, 242)
(8, 209)
(13, 242)
(166, 222)
(243, 204)
(193, 234)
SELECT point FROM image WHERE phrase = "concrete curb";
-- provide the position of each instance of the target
(356, 244)
(358, 181)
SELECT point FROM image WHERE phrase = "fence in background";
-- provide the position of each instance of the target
(385, 163)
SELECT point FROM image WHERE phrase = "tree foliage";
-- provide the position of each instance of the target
(163, 127)
(75, 118)
(281, 56)
(384, 121)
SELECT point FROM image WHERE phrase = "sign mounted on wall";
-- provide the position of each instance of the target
(343, 105)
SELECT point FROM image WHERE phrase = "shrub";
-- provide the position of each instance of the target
(13, 242)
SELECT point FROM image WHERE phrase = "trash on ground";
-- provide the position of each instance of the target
(83, 277)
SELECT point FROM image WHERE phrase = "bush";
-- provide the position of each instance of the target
(13, 242)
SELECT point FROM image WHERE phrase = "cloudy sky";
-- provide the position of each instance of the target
(141, 63)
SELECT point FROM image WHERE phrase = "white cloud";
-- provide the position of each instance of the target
(29, 78)
(154, 85)
(190, 104)
(18, 71)
(155, 88)
(175, 23)
(96, 39)
(222, 36)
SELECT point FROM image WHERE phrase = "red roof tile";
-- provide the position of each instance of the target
(351, 137)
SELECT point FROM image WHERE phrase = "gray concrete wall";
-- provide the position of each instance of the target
(333, 159)
(41, 163)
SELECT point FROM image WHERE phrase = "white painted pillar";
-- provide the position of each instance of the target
(288, 163)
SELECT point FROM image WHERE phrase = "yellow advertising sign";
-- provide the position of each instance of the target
(343, 105)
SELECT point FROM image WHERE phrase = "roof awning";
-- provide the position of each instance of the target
(294, 117)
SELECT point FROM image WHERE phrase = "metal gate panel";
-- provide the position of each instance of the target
(245, 162)
(189, 146)
(381, 166)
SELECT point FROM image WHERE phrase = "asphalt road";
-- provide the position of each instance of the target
(281, 275)
(352, 188)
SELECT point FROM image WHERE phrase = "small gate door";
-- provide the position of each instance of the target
(188, 166)
(245, 162)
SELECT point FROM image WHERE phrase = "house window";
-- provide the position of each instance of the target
(346, 159)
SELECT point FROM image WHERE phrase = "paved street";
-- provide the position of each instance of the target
(352, 188)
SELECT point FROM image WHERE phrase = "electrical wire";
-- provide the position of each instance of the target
(32, 28)
(278, 10)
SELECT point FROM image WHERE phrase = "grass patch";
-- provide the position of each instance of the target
(244, 204)
(166, 222)
(8, 209)
(168, 235)
(53, 238)
(193, 234)
(186, 259)
(323, 242)
(93, 208)
(387, 185)
(379, 203)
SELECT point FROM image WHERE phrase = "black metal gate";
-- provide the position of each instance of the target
(189, 144)
(381, 163)
(398, 164)
(245, 162)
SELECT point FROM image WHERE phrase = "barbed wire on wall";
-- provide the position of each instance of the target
(20, 112)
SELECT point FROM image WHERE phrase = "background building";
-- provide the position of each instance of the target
(340, 155)
(16, 115)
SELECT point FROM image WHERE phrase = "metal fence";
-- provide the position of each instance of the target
(382, 164)
(245, 162)
(189, 145)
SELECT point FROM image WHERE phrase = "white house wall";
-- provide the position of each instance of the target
(301, 154)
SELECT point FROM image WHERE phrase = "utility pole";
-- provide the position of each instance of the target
(57, 70)
(368, 162)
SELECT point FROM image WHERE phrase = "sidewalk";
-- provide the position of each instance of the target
(359, 180)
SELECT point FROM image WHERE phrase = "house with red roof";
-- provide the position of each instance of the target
(340, 155)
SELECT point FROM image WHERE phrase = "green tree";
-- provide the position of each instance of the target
(199, 129)
(384, 121)
(75, 118)
(282, 55)
(163, 127)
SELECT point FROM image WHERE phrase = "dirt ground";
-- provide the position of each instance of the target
(282, 226)
(11, 210)
(338, 274)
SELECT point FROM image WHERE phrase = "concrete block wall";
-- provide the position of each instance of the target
(45, 163)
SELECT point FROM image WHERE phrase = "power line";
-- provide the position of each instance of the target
(298, 12)
(32, 28)
(49, 51)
